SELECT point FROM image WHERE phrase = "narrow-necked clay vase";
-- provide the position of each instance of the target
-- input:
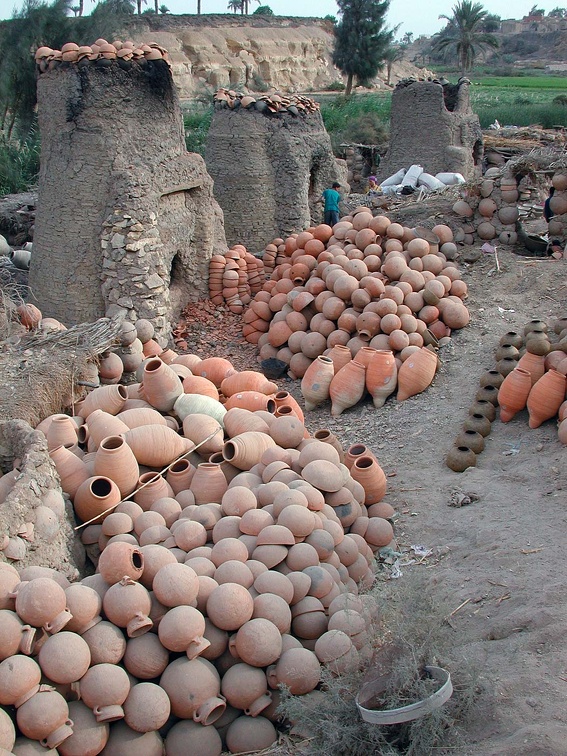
(127, 604)
(45, 717)
(161, 385)
(95, 497)
(71, 470)
(534, 364)
(316, 382)
(416, 373)
(156, 445)
(107, 398)
(42, 603)
(513, 393)
(370, 475)
(193, 687)
(104, 689)
(115, 460)
(347, 387)
(381, 376)
(546, 397)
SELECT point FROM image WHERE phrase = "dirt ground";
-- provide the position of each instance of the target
(498, 563)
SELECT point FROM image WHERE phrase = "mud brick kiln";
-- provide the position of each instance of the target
(126, 218)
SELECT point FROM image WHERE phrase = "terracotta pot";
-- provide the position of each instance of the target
(247, 380)
(180, 475)
(15, 636)
(546, 397)
(250, 734)
(71, 470)
(534, 364)
(562, 431)
(194, 384)
(483, 407)
(107, 398)
(198, 428)
(124, 740)
(479, 423)
(327, 437)
(85, 604)
(230, 606)
(205, 740)
(216, 369)
(209, 483)
(347, 387)
(106, 642)
(189, 404)
(134, 418)
(513, 393)
(316, 382)
(120, 559)
(258, 642)
(176, 585)
(156, 445)
(356, 451)
(115, 460)
(488, 393)
(19, 680)
(298, 669)
(95, 496)
(340, 355)
(238, 420)
(285, 398)
(145, 657)
(514, 338)
(62, 432)
(146, 708)
(193, 687)
(492, 378)
(64, 658)
(160, 385)
(503, 367)
(98, 426)
(104, 689)
(245, 687)
(89, 736)
(251, 400)
(246, 450)
(182, 629)
(45, 717)
(459, 458)
(471, 439)
(42, 603)
(152, 486)
(127, 604)
(416, 373)
(371, 477)
(381, 376)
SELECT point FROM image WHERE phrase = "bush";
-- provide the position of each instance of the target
(258, 83)
(263, 10)
(197, 121)
(19, 164)
(335, 86)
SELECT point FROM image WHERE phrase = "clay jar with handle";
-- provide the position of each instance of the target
(104, 689)
(85, 605)
(94, 497)
(14, 635)
(347, 387)
(120, 559)
(316, 382)
(160, 385)
(45, 717)
(115, 460)
(371, 477)
(42, 603)
(64, 658)
(19, 680)
(193, 687)
(246, 687)
(416, 373)
(546, 397)
(89, 736)
(128, 604)
(381, 376)
(182, 629)
(513, 393)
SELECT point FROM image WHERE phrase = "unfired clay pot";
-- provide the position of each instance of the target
(193, 687)
(104, 689)
(127, 604)
(45, 717)
(42, 603)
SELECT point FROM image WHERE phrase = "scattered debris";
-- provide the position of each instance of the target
(459, 498)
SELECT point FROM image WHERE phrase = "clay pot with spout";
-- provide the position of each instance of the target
(513, 393)
(15, 636)
(246, 687)
(19, 680)
(104, 689)
(127, 604)
(193, 687)
(182, 629)
(546, 397)
(45, 717)
(42, 603)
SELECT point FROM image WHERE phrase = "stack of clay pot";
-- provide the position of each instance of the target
(222, 573)
(489, 210)
(275, 102)
(366, 283)
(523, 360)
(235, 277)
(100, 53)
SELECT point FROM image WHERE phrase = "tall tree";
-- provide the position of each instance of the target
(557, 13)
(361, 39)
(464, 35)
(235, 5)
(393, 54)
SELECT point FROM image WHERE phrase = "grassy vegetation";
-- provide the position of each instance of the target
(19, 163)
(197, 119)
(524, 82)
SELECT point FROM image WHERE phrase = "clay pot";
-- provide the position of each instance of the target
(45, 717)
(347, 387)
(14, 635)
(285, 398)
(107, 398)
(127, 604)
(119, 560)
(209, 483)
(62, 431)
(71, 470)
(123, 740)
(250, 734)
(106, 643)
(488, 393)
(42, 603)
(189, 404)
(503, 367)
(491, 378)
(115, 460)
(546, 397)
(151, 487)
(472, 439)
(89, 736)
(160, 385)
(327, 437)
(258, 642)
(156, 445)
(459, 458)
(483, 407)
(246, 450)
(478, 423)
(104, 689)
(206, 741)
(250, 400)
(340, 356)
(85, 604)
(416, 373)
(230, 606)
(316, 382)
(182, 630)
(298, 669)
(216, 369)
(245, 687)
(535, 325)
(180, 475)
(98, 426)
(19, 680)
(176, 585)
(381, 376)
(94, 497)
(370, 475)
(534, 364)
(193, 687)
(514, 338)
(247, 380)
(513, 393)
(147, 707)
(145, 657)
(64, 658)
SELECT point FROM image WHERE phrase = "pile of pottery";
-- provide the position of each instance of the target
(489, 211)
(530, 372)
(101, 53)
(275, 102)
(366, 283)
(235, 277)
(229, 563)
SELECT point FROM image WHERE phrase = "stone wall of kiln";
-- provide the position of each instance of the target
(269, 169)
(126, 218)
(433, 125)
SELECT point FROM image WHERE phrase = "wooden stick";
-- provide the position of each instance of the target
(459, 607)
(151, 480)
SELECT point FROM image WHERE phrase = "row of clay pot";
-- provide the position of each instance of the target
(100, 52)
(523, 360)
(254, 577)
(235, 277)
(276, 102)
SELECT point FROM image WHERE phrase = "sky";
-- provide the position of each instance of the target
(415, 16)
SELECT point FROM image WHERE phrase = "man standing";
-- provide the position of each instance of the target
(331, 198)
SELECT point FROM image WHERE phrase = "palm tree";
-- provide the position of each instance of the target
(464, 34)
(392, 55)
(235, 5)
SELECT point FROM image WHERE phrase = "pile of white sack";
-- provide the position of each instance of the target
(416, 178)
